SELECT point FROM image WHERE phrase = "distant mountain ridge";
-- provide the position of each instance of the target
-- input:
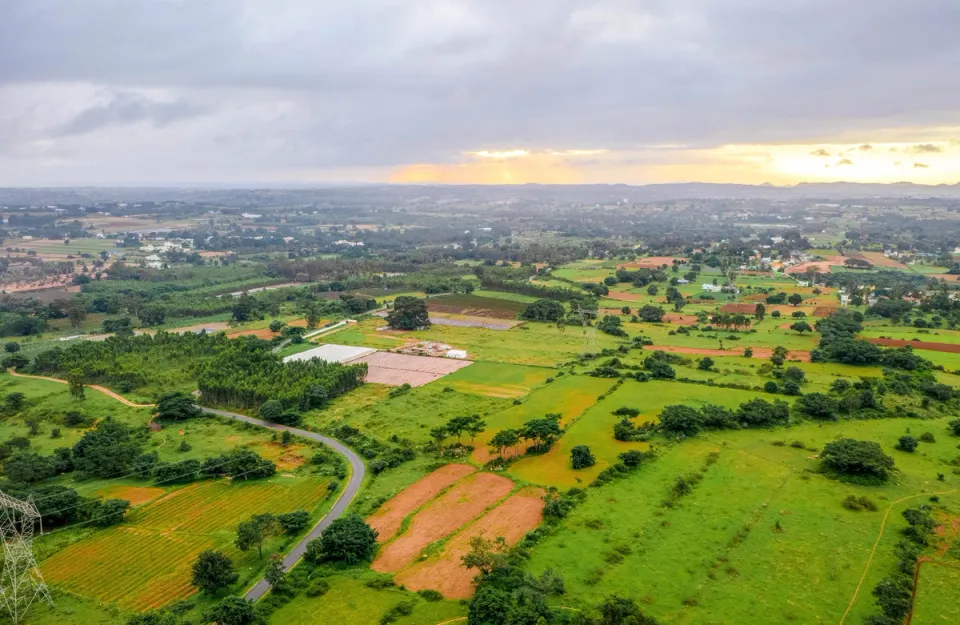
(584, 193)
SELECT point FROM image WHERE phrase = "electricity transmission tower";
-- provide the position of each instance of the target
(589, 330)
(21, 583)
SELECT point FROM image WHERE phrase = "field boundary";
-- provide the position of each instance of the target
(96, 387)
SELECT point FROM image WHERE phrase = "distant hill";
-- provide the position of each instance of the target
(583, 193)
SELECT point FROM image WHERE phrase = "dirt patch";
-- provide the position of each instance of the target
(822, 266)
(824, 311)
(878, 259)
(739, 308)
(625, 297)
(680, 319)
(758, 352)
(952, 348)
(396, 369)
(461, 504)
(388, 517)
(512, 520)
(286, 458)
(136, 495)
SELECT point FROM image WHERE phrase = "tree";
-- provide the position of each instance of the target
(682, 419)
(348, 539)
(293, 522)
(652, 314)
(954, 427)
(29, 468)
(485, 554)
(818, 406)
(795, 374)
(176, 406)
(621, 611)
(748, 352)
(76, 311)
(109, 512)
(542, 431)
(801, 327)
(544, 310)
(213, 571)
(275, 574)
(759, 311)
(408, 313)
(233, 611)
(706, 363)
(503, 439)
(652, 290)
(270, 410)
(795, 299)
(855, 458)
(277, 325)
(75, 380)
(250, 534)
(12, 347)
(907, 443)
(581, 457)
(659, 370)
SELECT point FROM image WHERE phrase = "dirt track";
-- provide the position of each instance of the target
(96, 387)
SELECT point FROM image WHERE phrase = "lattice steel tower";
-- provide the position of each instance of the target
(21, 583)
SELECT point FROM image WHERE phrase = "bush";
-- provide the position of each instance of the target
(928, 437)
(428, 594)
(581, 457)
(318, 588)
(907, 443)
(859, 459)
(859, 503)
(348, 539)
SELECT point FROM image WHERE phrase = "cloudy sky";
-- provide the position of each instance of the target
(494, 91)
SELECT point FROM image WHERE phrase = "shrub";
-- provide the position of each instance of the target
(318, 588)
(428, 594)
(928, 437)
(581, 457)
(859, 459)
(907, 443)
(859, 503)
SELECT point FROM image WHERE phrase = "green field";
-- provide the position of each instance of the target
(936, 602)
(687, 562)
(497, 379)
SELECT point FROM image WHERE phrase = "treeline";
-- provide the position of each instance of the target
(240, 372)
(248, 375)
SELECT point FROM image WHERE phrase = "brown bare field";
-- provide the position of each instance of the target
(681, 319)
(388, 517)
(458, 506)
(512, 519)
(653, 262)
(953, 348)
(738, 308)
(878, 259)
(824, 311)
(625, 297)
(136, 495)
(396, 369)
(286, 458)
(758, 352)
(262, 333)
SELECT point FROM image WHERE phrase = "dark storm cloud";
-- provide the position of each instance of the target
(378, 82)
(126, 108)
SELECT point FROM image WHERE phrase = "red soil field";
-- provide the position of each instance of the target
(388, 517)
(758, 352)
(953, 348)
(878, 259)
(739, 308)
(136, 495)
(681, 319)
(512, 520)
(458, 506)
(624, 296)
(824, 311)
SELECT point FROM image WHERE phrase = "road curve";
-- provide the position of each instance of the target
(357, 473)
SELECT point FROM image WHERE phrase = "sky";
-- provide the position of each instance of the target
(275, 92)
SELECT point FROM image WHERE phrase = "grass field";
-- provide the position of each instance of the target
(410, 415)
(936, 602)
(716, 556)
(145, 563)
(595, 429)
(350, 601)
(497, 379)
(569, 397)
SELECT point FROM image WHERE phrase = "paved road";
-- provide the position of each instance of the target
(357, 472)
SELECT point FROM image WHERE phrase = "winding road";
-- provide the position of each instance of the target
(357, 472)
